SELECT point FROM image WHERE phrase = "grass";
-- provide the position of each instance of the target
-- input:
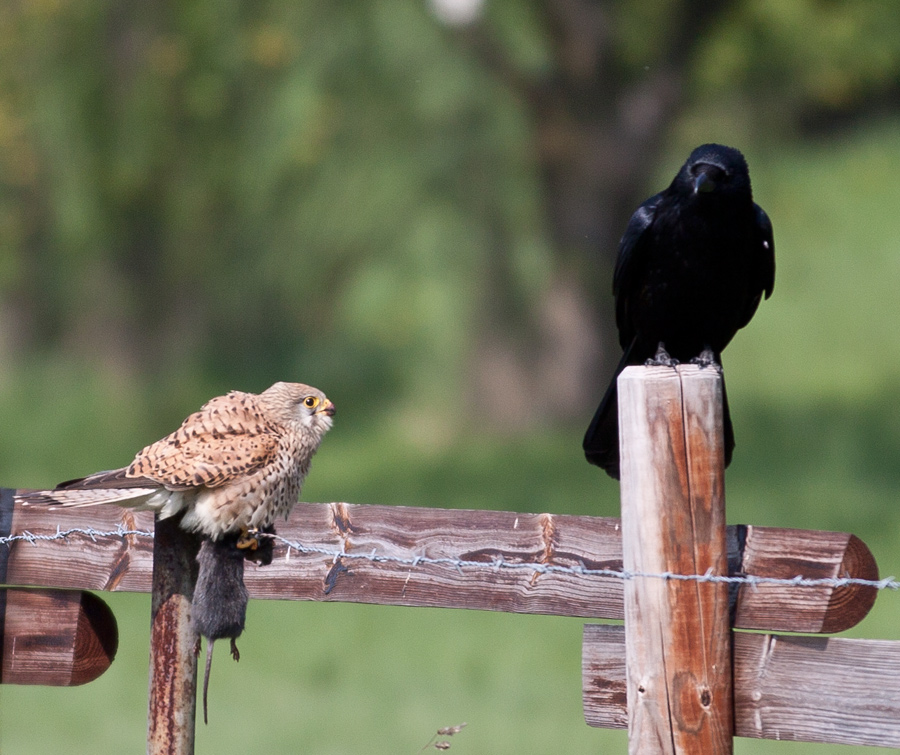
(815, 390)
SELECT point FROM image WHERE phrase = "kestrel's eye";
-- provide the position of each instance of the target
(311, 402)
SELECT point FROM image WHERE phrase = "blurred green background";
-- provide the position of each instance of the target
(415, 207)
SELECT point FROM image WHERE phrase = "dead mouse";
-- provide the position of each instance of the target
(219, 607)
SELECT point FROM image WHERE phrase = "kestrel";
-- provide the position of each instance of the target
(232, 467)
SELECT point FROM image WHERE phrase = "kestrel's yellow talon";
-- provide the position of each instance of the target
(248, 539)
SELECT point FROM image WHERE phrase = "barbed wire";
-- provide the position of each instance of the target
(495, 564)
(498, 563)
(90, 532)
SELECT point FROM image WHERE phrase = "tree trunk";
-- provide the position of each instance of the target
(599, 130)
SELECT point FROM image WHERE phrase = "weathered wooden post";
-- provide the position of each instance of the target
(173, 641)
(678, 633)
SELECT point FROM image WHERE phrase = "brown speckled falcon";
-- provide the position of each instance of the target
(234, 466)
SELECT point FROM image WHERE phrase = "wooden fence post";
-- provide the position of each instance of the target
(173, 641)
(678, 633)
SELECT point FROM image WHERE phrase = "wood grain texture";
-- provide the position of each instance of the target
(786, 553)
(819, 689)
(677, 633)
(173, 642)
(116, 563)
(603, 694)
(473, 536)
(58, 638)
(804, 689)
(96, 640)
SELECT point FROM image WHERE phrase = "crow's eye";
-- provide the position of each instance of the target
(311, 402)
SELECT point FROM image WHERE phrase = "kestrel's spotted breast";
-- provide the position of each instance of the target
(238, 463)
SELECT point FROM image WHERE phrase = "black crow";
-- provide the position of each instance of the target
(693, 264)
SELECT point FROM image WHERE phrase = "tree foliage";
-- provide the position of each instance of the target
(359, 192)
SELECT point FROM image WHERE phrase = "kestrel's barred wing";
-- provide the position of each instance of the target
(228, 438)
(114, 478)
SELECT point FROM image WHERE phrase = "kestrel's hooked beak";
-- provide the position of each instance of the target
(326, 408)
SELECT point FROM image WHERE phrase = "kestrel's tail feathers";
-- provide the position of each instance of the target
(128, 497)
(106, 487)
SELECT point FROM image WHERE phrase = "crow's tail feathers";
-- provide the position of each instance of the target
(601, 441)
(726, 421)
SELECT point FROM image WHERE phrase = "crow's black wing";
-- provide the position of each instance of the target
(601, 441)
(764, 264)
(628, 264)
(767, 253)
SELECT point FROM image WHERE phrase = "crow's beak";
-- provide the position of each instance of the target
(704, 183)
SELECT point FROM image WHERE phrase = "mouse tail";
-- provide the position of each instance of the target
(209, 653)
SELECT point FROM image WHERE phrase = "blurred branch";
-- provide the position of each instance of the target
(479, 42)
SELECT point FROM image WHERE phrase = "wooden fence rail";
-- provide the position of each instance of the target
(804, 689)
(401, 533)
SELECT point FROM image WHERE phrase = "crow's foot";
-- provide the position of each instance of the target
(706, 358)
(662, 358)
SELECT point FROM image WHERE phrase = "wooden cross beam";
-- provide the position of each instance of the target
(401, 534)
(57, 638)
(799, 689)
